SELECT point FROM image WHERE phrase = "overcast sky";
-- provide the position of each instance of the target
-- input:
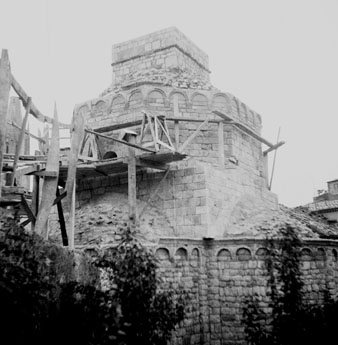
(279, 57)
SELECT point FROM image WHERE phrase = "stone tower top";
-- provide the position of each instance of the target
(164, 57)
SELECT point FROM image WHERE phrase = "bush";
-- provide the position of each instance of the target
(149, 314)
(41, 303)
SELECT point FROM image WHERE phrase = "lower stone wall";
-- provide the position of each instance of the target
(220, 274)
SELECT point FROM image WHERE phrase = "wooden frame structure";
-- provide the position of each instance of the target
(153, 148)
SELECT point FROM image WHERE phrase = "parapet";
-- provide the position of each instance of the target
(157, 58)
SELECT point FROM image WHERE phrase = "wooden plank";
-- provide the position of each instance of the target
(50, 183)
(60, 197)
(150, 164)
(25, 170)
(28, 210)
(98, 147)
(12, 189)
(5, 85)
(26, 222)
(20, 141)
(274, 161)
(171, 148)
(77, 135)
(11, 123)
(33, 109)
(118, 126)
(119, 141)
(31, 158)
(192, 136)
(221, 158)
(84, 141)
(44, 173)
(23, 162)
(167, 133)
(61, 219)
(35, 195)
(243, 128)
(71, 220)
(86, 158)
(152, 131)
(142, 129)
(164, 132)
(188, 119)
(132, 183)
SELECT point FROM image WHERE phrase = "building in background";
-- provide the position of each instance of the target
(326, 202)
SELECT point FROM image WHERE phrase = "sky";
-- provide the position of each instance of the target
(278, 57)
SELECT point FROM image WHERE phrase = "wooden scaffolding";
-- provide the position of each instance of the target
(55, 173)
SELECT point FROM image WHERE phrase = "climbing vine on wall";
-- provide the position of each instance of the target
(292, 321)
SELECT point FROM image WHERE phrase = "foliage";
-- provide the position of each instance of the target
(292, 321)
(149, 315)
(41, 303)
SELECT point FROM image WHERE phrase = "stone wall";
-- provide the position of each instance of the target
(242, 153)
(221, 274)
(156, 57)
(198, 200)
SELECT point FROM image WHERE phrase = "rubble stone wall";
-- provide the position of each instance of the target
(219, 275)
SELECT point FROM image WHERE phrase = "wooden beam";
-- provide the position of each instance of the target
(35, 195)
(20, 141)
(188, 119)
(33, 109)
(152, 131)
(274, 147)
(135, 123)
(221, 158)
(61, 219)
(71, 220)
(242, 127)
(192, 136)
(11, 123)
(13, 189)
(28, 210)
(25, 170)
(44, 173)
(118, 126)
(5, 85)
(86, 158)
(77, 137)
(50, 183)
(60, 197)
(150, 164)
(120, 141)
(132, 183)
(30, 158)
(26, 222)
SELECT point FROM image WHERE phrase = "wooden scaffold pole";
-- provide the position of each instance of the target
(50, 180)
(5, 85)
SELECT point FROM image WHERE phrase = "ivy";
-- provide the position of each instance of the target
(292, 320)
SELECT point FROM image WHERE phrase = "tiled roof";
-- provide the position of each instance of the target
(323, 205)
